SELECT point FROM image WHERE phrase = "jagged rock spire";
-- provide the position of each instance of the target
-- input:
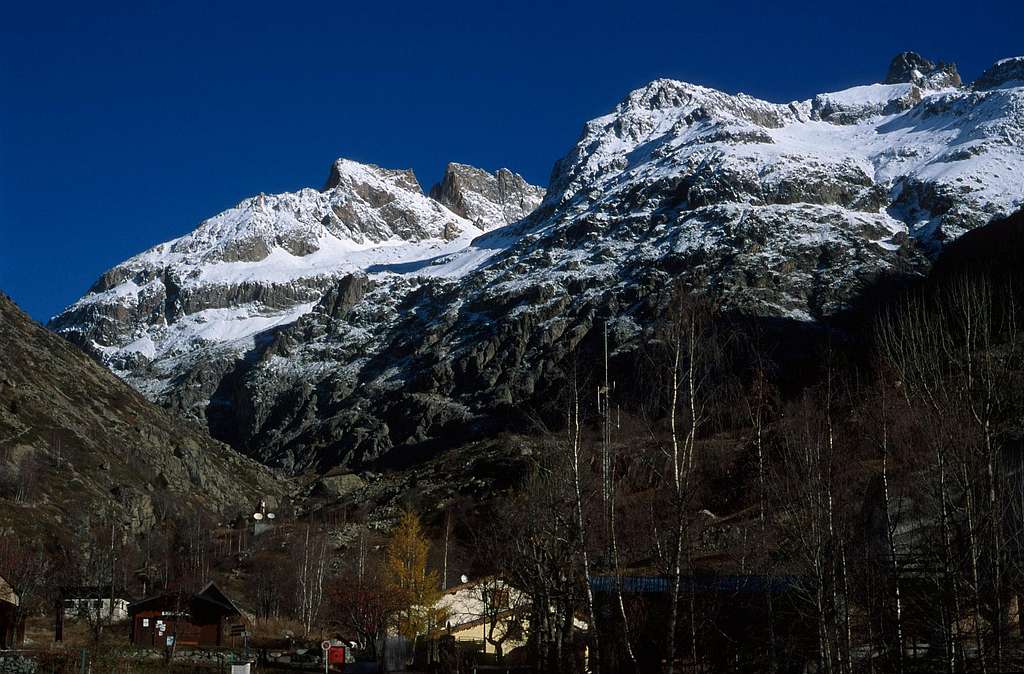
(911, 67)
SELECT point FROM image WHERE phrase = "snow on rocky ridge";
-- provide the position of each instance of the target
(262, 263)
(329, 327)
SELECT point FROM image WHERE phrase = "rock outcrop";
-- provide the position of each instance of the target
(489, 200)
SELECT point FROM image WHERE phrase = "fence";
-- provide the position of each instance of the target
(85, 662)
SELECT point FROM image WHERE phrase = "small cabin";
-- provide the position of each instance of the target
(206, 619)
(12, 624)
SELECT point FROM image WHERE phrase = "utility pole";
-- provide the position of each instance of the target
(362, 556)
(447, 529)
(603, 402)
(110, 608)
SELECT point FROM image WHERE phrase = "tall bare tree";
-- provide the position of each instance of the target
(686, 364)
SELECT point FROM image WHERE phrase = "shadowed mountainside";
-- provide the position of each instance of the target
(75, 439)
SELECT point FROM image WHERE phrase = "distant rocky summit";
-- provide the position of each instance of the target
(334, 327)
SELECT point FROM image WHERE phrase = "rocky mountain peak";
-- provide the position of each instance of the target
(1003, 72)
(650, 118)
(911, 68)
(489, 200)
(671, 96)
(348, 173)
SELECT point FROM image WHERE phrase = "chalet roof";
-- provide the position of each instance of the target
(484, 620)
(213, 593)
(177, 596)
(210, 594)
(7, 593)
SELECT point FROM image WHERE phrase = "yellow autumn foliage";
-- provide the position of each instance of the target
(414, 588)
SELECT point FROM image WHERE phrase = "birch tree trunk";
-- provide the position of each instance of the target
(574, 443)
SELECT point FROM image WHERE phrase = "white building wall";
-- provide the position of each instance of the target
(75, 609)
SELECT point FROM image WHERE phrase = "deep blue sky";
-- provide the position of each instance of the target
(121, 127)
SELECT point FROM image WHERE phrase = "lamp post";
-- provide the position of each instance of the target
(262, 519)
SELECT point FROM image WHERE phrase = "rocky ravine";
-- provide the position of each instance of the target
(75, 441)
(330, 342)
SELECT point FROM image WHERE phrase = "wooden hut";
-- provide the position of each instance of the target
(205, 619)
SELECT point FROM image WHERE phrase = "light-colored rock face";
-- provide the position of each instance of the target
(779, 210)
(861, 103)
(489, 200)
(340, 485)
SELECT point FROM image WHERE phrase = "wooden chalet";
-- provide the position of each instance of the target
(12, 624)
(206, 619)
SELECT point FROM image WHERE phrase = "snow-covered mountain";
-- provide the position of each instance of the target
(260, 264)
(331, 327)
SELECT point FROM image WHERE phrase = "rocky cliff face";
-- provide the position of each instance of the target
(779, 210)
(77, 440)
(489, 200)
